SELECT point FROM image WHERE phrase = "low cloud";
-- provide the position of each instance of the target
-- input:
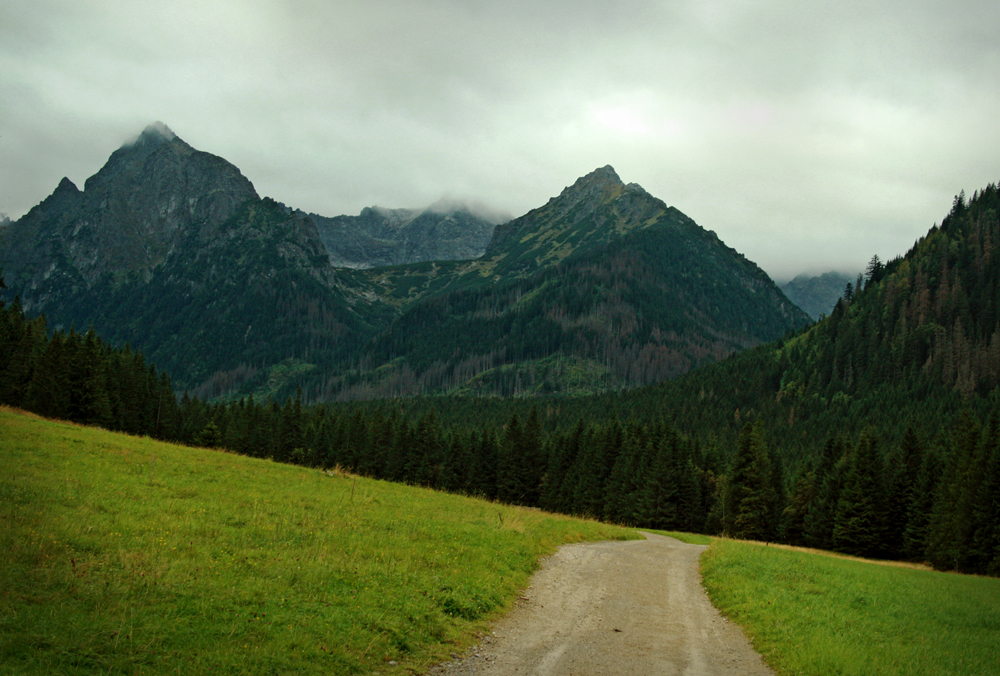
(449, 204)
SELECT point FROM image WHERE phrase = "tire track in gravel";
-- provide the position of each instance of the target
(634, 607)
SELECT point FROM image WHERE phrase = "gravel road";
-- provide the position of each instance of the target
(634, 607)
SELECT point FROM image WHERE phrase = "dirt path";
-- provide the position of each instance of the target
(633, 607)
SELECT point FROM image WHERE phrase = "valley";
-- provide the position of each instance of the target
(604, 358)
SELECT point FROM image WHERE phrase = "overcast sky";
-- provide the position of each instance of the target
(808, 135)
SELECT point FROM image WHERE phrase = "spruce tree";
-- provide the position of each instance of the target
(819, 519)
(750, 498)
(900, 475)
(793, 517)
(857, 522)
(984, 546)
(920, 507)
(951, 526)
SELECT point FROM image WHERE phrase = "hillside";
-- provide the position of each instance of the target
(148, 557)
(919, 341)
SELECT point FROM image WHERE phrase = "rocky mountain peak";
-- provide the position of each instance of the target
(598, 186)
(151, 194)
(596, 207)
(602, 175)
(66, 186)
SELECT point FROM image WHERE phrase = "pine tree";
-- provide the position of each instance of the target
(984, 545)
(209, 436)
(819, 519)
(660, 506)
(900, 476)
(48, 390)
(88, 400)
(920, 507)
(595, 462)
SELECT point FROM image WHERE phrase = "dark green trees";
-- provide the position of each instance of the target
(80, 378)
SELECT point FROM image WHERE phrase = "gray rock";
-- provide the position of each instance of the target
(378, 237)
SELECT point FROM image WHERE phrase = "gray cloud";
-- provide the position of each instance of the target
(807, 136)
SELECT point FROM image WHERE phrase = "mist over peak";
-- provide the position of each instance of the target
(449, 204)
(155, 132)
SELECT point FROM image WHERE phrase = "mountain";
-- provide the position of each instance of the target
(150, 196)
(379, 237)
(816, 294)
(874, 431)
(604, 287)
(171, 249)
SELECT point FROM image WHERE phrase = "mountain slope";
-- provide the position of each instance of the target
(915, 346)
(171, 249)
(146, 200)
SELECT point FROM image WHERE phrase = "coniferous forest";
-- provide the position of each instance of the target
(874, 432)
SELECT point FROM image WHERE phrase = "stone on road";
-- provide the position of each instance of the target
(633, 607)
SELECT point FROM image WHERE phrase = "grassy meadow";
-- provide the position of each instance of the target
(123, 555)
(814, 614)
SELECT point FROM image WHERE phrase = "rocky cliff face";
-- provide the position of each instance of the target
(379, 237)
(150, 197)
(172, 250)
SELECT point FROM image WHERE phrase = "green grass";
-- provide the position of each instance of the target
(813, 614)
(121, 555)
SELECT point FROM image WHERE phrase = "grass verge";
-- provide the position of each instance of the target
(813, 614)
(126, 555)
